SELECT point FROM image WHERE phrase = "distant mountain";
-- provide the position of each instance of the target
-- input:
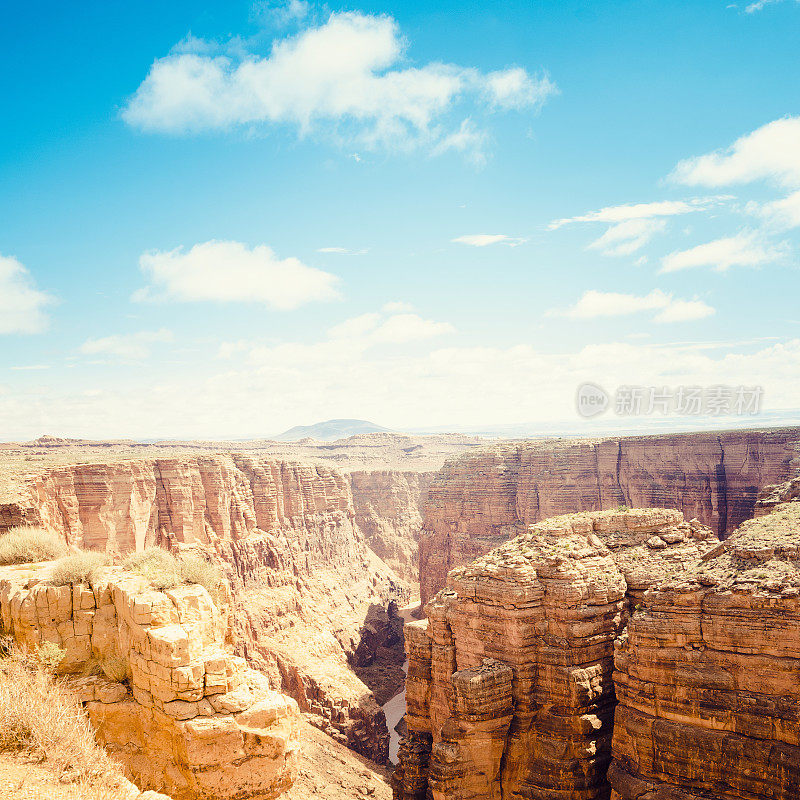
(330, 430)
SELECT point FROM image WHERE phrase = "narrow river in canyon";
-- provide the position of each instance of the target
(395, 708)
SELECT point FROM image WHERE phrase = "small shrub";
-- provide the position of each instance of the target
(115, 668)
(29, 545)
(195, 569)
(47, 656)
(77, 568)
(623, 508)
(160, 568)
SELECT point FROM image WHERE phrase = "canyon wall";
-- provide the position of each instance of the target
(482, 499)
(304, 580)
(509, 691)
(708, 675)
(179, 711)
(388, 511)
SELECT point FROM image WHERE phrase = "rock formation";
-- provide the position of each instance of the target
(194, 721)
(482, 499)
(509, 691)
(302, 576)
(387, 506)
(708, 675)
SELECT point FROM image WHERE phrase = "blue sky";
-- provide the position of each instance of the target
(224, 219)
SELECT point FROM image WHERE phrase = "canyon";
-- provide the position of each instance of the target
(321, 544)
(480, 500)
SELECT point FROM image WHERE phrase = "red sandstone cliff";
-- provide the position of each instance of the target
(482, 499)
(304, 581)
(388, 511)
(707, 676)
(509, 690)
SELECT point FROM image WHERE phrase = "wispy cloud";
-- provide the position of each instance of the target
(761, 4)
(782, 214)
(127, 346)
(398, 328)
(771, 152)
(280, 13)
(232, 272)
(342, 251)
(593, 304)
(633, 225)
(625, 238)
(486, 239)
(22, 305)
(344, 78)
(745, 249)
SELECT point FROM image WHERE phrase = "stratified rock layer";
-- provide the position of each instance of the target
(194, 722)
(483, 499)
(708, 675)
(303, 579)
(387, 506)
(509, 691)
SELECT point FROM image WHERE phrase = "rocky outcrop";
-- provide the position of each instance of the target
(482, 499)
(708, 675)
(179, 712)
(509, 691)
(387, 506)
(302, 576)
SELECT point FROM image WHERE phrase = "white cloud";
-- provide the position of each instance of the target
(454, 385)
(486, 239)
(371, 329)
(355, 326)
(341, 251)
(22, 305)
(593, 304)
(633, 225)
(467, 140)
(625, 238)
(231, 272)
(344, 78)
(403, 328)
(771, 152)
(281, 13)
(745, 249)
(761, 4)
(684, 311)
(514, 88)
(635, 211)
(781, 214)
(127, 346)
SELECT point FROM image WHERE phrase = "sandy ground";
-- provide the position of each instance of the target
(24, 779)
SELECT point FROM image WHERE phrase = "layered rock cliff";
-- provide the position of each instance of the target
(303, 579)
(708, 675)
(482, 499)
(388, 511)
(509, 691)
(180, 712)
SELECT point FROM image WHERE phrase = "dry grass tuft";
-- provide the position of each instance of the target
(195, 569)
(164, 571)
(77, 568)
(40, 717)
(29, 545)
(159, 567)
